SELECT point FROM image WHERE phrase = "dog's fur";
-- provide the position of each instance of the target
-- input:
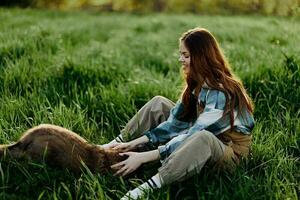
(62, 148)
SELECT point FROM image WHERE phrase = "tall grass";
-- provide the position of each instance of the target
(91, 72)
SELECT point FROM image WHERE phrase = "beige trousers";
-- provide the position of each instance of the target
(197, 150)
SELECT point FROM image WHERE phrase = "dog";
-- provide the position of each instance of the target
(61, 148)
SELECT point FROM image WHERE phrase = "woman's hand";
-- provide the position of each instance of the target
(109, 146)
(126, 146)
(134, 160)
(129, 165)
(123, 147)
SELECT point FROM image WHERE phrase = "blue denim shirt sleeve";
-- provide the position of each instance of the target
(213, 111)
(245, 122)
(168, 129)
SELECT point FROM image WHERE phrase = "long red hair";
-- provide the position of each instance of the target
(209, 65)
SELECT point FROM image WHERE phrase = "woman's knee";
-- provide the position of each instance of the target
(160, 103)
(159, 99)
(204, 136)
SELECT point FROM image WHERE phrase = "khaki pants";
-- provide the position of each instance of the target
(197, 150)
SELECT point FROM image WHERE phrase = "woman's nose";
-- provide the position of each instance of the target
(180, 59)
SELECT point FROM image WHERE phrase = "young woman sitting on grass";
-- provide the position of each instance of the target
(210, 125)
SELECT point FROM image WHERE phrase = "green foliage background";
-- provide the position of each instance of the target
(91, 72)
(265, 7)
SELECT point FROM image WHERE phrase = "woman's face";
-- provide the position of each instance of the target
(184, 58)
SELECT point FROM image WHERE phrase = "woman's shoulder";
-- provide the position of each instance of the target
(213, 97)
(207, 93)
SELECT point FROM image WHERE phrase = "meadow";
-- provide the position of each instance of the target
(91, 72)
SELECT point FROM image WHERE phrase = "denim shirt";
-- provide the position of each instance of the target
(171, 133)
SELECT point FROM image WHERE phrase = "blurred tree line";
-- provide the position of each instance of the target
(267, 7)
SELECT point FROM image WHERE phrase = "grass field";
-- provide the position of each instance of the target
(91, 72)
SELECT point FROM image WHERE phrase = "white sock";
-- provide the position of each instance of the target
(119, 138)
(140, 191)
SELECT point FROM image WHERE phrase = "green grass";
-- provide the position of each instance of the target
(91, 72)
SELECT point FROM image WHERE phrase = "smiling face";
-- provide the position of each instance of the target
(184, 58)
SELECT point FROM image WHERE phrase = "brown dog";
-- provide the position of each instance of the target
(61, 147)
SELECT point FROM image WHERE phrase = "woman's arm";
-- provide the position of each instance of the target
(128, 146)
(150, 156)
(141, 140)
(134, 160)
(210, 119)
(168, 129)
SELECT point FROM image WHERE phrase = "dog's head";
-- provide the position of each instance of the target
(104, 158)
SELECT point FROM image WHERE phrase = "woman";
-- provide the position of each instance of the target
(210, 124)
